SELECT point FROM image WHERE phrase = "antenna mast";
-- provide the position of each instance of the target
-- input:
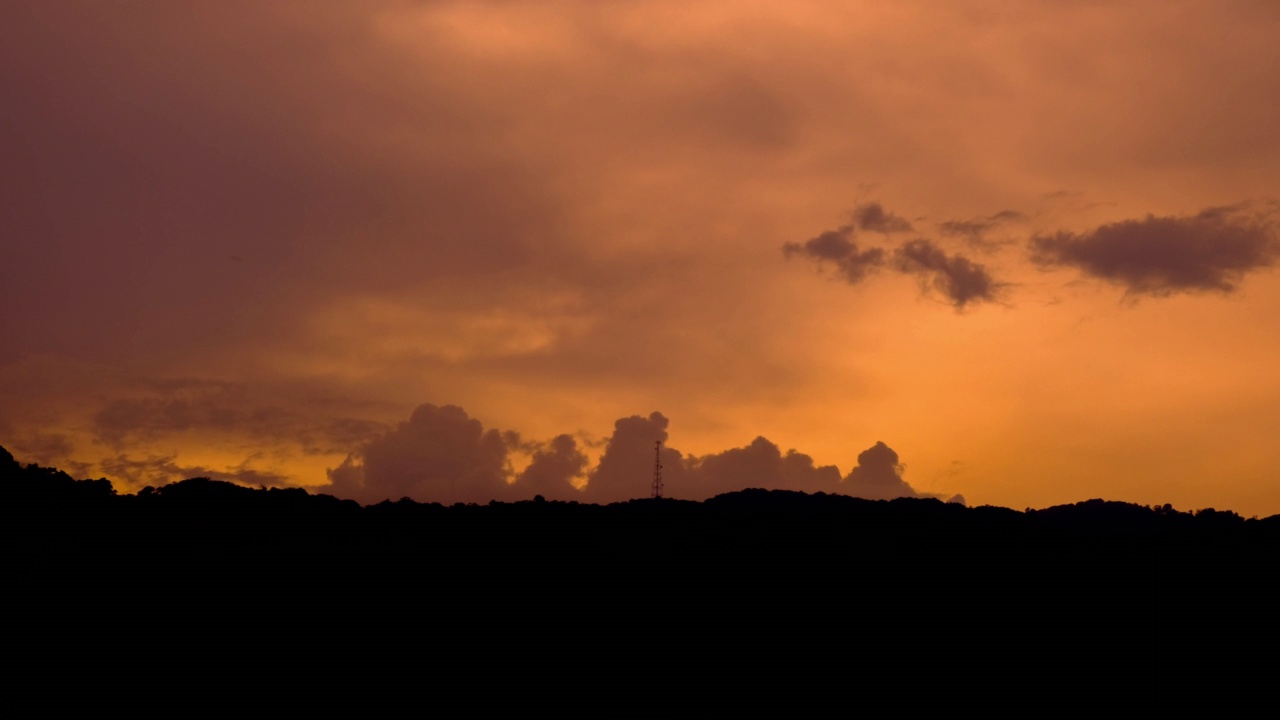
(657, 469)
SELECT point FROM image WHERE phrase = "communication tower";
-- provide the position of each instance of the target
(657, 469)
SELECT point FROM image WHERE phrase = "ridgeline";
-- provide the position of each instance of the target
(741, 577)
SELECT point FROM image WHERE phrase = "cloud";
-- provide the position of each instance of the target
(162, 470)
(318, 427)
(758, 465)
(878, 475)
(1211, 251)
(439, 455)
(958, 278)
(837, 247)
(974, 230)
(626, 468)
(873, 217)
(43, 448)
(443, 455)
(555, 466)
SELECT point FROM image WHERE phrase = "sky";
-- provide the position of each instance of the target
(1020, 252)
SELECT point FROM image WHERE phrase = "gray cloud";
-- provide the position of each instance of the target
(974, 230)
(878, 475)
(837, 247)
(958, 278)
(443, 455)
(1211, 251)
(439, 455)
(281, 135)
(625, 470)
(873, 217)
(551, 473)
(43, 448)
(162, 470)
(758, 465)
(177, 406)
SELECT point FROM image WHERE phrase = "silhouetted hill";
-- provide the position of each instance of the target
(750, 576)
(815, 527)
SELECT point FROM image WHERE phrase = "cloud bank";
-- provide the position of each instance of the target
(443, 455)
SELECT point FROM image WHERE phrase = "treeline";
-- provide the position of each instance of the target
(205, 571)
(32, 488)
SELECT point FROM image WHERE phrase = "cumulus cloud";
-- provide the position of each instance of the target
(625, 470)
(443, 455)
(758, 465)
(555, 466)
(878, 475)
(873, 217)
(837, 247)
(439, 455)
(1211, 251)
(958, 278)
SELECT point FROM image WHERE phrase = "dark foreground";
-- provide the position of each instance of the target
(777, 583)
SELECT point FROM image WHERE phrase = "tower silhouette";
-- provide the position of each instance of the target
(657, 469)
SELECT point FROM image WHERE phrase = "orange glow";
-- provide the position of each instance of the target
(252, 242)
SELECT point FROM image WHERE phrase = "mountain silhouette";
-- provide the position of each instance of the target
(211, 569)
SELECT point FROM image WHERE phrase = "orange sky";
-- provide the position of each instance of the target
(1028, 245)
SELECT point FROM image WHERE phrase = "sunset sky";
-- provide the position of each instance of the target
(431, 249)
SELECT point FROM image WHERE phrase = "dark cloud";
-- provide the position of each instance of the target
(878, 475)
(626, 468)
(439, 455)
(873, 217)
(147, 147)
(318, 426)
(974, 230)
(44, 448)
(758, 465)
(125, 421)
(162, 470)
(443, 455)
(837, 247)
(1159, 256)
(551, 473)
(958, 278)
